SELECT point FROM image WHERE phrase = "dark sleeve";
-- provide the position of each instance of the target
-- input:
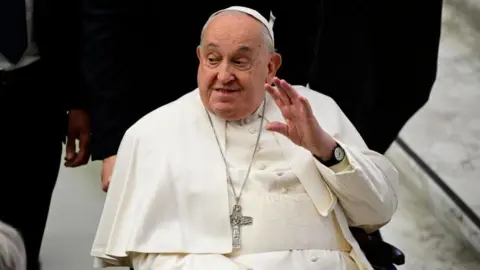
(406, 66)
(425, 28)
(70, 77)
(110, 45)
(296, 30)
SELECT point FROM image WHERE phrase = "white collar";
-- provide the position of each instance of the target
(250, 119)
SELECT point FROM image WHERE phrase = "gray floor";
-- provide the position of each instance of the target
(446, 132)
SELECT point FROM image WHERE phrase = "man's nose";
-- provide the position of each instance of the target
(225, 74)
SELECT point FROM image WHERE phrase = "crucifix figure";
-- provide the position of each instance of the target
(237, 220)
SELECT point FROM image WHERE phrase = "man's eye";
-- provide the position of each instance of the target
(242, 64)
(212, 60)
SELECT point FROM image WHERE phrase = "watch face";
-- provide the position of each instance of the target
(339, 154)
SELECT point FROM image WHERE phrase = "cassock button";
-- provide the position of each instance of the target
(284, 190)
(252, 130)
(262, 166)
(279, 173)
(314, 259)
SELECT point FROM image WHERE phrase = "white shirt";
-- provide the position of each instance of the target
(31, 53)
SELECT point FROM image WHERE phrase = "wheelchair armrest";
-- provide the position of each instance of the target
(380, 254)
(393, 254)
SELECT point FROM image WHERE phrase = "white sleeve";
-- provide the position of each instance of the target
(366, 187)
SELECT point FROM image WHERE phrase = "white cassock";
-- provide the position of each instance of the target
(169, 201)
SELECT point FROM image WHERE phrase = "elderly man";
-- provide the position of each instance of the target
(127, 58)
(12, 249)
(232, 177)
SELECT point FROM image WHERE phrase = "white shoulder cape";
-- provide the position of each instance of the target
(169, 192)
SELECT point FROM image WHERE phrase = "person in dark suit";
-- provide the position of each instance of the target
(40, 81)
(379, 63)
(140, 55)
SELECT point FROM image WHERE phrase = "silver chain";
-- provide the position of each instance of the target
(229, 178)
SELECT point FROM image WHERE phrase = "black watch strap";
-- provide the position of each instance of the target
(338, 155)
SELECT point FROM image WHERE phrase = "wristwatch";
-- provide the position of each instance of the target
(338, 155)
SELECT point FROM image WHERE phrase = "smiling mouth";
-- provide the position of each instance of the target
(226, 90)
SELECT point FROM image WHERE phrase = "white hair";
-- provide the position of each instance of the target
(263, 31)
(12, 249)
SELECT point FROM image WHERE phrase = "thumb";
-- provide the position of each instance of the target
(70, 148)
(278, 127)
(107, 170)
(105, 185)
(106, 178)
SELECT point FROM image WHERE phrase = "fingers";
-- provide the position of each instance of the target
(70, 151)
(307, 107)
(281, 92)
(275, 95)
(74, 159)
(284, 94)
(84, 153)
(286, 89)
(106, 177)
(107, 171)
(105, 185)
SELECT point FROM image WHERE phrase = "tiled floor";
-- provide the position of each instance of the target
(446, 132)
(427, 244)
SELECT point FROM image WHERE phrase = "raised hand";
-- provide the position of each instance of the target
(301, 126)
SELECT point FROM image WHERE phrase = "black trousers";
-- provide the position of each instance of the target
(31, 138)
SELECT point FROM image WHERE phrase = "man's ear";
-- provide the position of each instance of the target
(199, 53)
(273, 66)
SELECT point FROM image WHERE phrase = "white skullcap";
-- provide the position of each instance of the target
(252, 13)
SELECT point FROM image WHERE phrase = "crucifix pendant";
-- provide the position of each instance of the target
(237, 220)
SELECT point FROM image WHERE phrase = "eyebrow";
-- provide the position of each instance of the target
(211, 46)
(243, 48)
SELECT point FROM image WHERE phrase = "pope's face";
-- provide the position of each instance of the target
(235, 64)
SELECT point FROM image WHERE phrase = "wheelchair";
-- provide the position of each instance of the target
(380, 254)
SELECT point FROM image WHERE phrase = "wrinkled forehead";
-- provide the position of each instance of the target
(232, 30)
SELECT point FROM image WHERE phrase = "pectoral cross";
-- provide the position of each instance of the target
(237, 220)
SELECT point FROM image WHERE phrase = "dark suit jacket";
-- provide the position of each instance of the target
(378, 62)
(57, 30)
(140, 55)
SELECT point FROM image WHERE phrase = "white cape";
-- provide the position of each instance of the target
(169, 194)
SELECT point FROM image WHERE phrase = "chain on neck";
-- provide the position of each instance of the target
(229, 178)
